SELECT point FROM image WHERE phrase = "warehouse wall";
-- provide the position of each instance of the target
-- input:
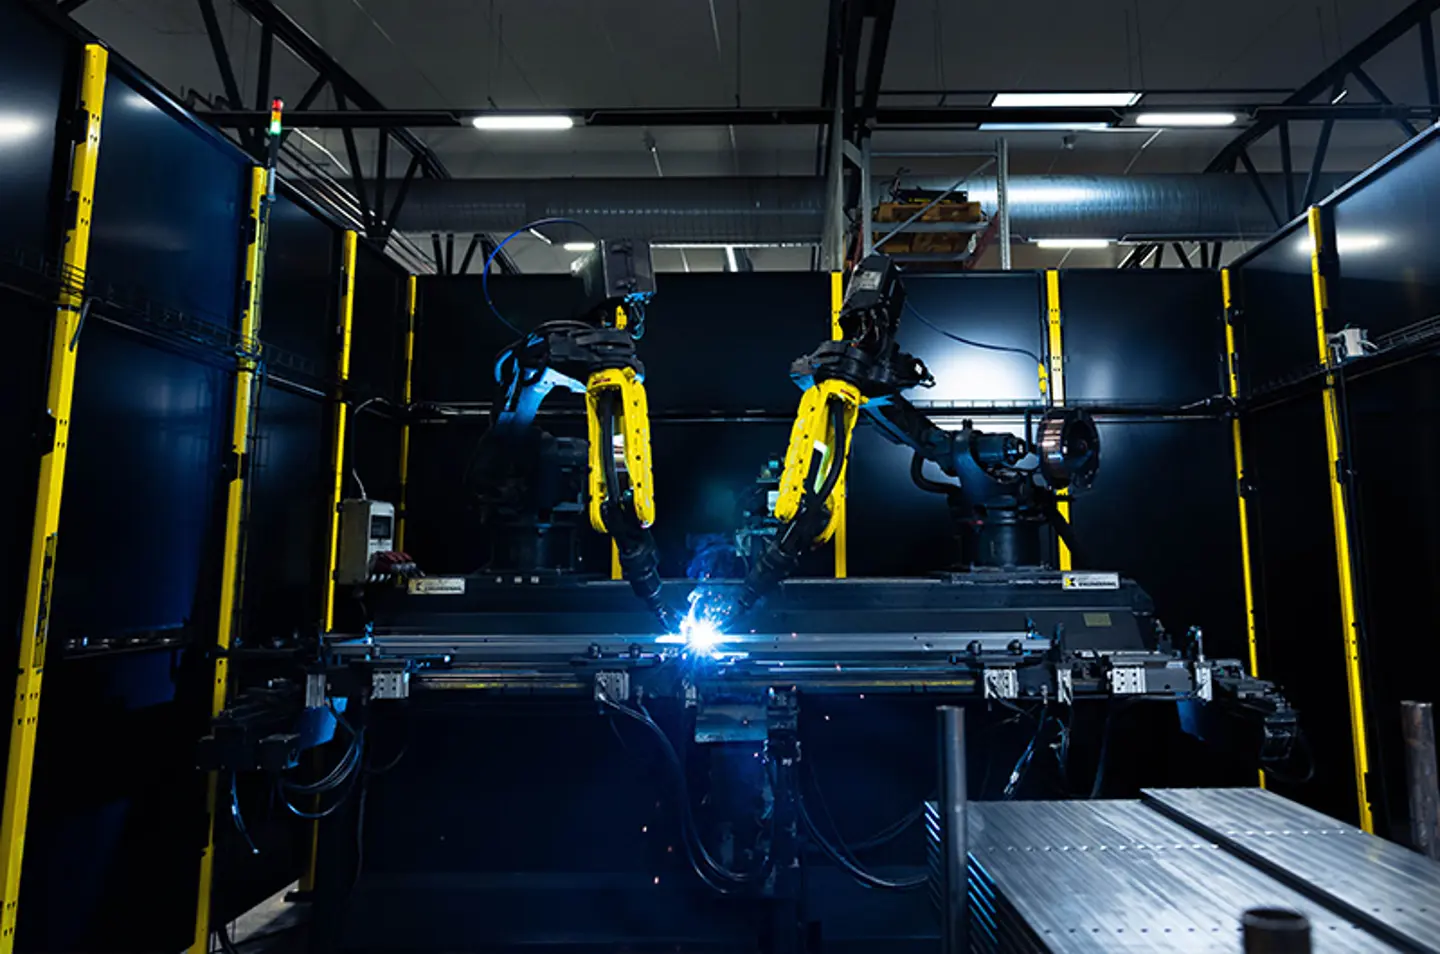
(1387, 281)
(1379, 277)
(117, 810)
(717, 349)
(38, 75)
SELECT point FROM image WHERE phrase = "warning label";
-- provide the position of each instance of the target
(438, 586)
(1091, 581)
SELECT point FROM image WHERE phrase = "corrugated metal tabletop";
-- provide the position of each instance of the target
(1104, 876)
(1383, 883)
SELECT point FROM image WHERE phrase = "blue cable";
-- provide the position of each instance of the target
(485, 272)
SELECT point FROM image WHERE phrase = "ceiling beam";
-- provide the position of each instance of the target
(875, 65)
(1358, 56)
(957, 116)
(313, 55)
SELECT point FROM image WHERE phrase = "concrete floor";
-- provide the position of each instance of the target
(273, 926)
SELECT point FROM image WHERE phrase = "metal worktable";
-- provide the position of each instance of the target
(1175, 870)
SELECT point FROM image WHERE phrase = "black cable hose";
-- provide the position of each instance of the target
(1108, 731)
(840, 858)
(969, 341)
(606, 410)
(837, 463)
(695, 850)
(891, 831)
(918, 478)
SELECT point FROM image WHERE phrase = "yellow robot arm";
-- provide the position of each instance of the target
(812, 455)
(615, 405)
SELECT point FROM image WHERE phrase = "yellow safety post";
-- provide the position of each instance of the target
(246, 366)
(348, 246)
(1235, 434)
(35, 621)
(1339, 513)
(1246, 570)
(840, 514)
(1056, 384)
(410, 290)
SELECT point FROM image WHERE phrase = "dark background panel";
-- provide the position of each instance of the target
(457, 336)
(1163, 512)
(703, 476)
(711, 342)
(168, 205)
(443, 529)
(1297, 590)
(725, 342)
(1398, 545)
(115, 812)
(1136, 336)
(377, 337)
(894, 528)
(998, 308)
(373, 452)
(302, 284)
(139, 529)
(1277, 322)
(37, 67)
(1384, 231)
(287, 527)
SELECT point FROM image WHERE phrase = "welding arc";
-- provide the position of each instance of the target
(703, 863)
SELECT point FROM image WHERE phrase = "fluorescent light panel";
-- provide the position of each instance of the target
(501, 122)
(1074, 243)
(579, 246)
(1186, 119)
(1039, 100)
(1040, 127)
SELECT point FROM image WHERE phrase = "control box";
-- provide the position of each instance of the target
(367, 527)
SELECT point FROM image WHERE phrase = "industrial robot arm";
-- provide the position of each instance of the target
(865, 370)
(597, 357)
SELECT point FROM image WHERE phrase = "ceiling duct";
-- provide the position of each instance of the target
(792, 209)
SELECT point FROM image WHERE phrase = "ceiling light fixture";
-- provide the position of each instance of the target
(1041, 127)
(1040, 100)
(1186, 119)
(1072, 243)
(521, 122)
(579, 246)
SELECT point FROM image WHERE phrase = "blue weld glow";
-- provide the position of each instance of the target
(701, 635)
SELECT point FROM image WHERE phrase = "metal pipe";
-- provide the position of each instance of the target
(867, 200)
(1275, 931)
(735, 210)
(1002, 198)
(955, 892)
(1417, 721)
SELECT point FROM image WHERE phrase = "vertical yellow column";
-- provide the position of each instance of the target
(348, 247)
(842, 559)
(35, 621)
(406, 398)
(1339, 515)
(246, 366)
(1056, 349)
(1246, 568)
